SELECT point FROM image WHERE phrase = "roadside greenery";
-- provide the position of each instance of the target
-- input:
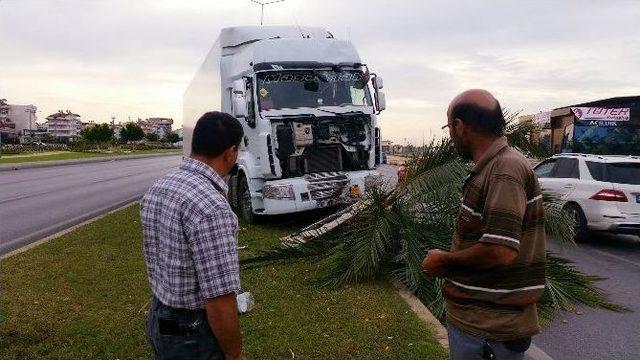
(389, 233)
(69, 155)
(99, 133)
(131, 132)
(85, 296)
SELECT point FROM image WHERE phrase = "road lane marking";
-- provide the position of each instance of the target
(617, 257)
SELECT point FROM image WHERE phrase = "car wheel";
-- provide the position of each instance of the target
(245, 209)
(582, 231)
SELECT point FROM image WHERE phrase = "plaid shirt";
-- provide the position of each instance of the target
(190, 237)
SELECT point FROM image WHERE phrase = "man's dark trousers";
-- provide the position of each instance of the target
(177, 334)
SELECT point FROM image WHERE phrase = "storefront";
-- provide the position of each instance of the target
(609, 126)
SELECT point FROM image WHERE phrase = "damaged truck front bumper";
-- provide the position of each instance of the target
(317, 190)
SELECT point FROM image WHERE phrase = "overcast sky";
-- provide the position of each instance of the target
(134, 58)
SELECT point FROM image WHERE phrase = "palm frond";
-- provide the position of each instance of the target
(389, 232)
(559, 223)
(364, 246)
(519, 134)
(567, 287)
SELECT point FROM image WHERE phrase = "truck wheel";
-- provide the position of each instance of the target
(245, 210)
(582, 231)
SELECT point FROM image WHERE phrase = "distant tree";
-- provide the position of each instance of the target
(48, 138)
(152, 137)
(99, 133)
(173, 138)
(131, 132)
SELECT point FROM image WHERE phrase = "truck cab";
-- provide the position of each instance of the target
(308, 106)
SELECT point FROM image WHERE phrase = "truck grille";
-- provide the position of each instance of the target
(322, 159)
(326, 185)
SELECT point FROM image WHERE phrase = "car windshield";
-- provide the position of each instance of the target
(311, 88)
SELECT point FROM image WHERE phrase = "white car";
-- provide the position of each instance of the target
(602, 191)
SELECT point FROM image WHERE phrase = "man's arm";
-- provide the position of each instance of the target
(222, 312)
(212, 240)
(480, 256)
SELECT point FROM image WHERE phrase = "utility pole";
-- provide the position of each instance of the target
(262, 4)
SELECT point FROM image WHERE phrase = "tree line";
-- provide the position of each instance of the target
(102, 133)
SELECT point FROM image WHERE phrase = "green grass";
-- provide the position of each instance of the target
(12, 159)
(85, 295)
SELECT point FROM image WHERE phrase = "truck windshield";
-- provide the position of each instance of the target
(311, 88)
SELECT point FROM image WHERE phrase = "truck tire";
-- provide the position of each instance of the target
(582, 231)
(245, 209)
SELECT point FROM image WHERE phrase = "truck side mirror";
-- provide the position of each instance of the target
(238, 99)
(381, 102)
(238, 86)
(239, 106)
(377, 83)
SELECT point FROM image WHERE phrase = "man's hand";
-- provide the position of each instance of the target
(436, 263)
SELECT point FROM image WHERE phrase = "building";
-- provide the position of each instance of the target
(15, 119)
(88, 124)
(158, 126)
(607, 126)
(64, 124)
(386, 146)
(397, 149)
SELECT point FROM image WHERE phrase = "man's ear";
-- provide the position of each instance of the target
(228, 154)
(458, 125)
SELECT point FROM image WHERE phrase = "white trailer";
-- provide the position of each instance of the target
(304, 101)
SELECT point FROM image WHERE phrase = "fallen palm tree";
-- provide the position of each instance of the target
(389, 233)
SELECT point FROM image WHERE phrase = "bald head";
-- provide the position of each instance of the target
(479, 110)
(478, 97)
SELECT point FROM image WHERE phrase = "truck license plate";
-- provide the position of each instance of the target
(354, 191)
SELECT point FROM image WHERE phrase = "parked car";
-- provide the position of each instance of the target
(602, 191)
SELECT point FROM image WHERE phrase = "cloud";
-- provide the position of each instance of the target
(135, 58)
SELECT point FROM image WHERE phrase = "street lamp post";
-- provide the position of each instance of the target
(262, 4)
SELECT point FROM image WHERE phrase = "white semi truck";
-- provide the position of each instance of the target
(305, 102)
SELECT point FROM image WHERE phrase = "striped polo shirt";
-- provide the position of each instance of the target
(502, 205)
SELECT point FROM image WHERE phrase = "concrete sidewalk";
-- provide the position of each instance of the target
(43, 164)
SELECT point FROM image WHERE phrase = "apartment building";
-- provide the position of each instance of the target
(64, 124)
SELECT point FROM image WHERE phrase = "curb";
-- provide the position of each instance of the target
(44, 164)
(101, 213)
(424, 314)
(534, 352)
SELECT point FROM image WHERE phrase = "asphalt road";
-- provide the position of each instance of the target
(595, 334)
(601, 334)
(35, 203)
(38, 202)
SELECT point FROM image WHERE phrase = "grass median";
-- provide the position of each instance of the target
(70, 155)
(85, 296)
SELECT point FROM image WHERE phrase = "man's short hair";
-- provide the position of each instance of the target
(483, 120)
(215, 132)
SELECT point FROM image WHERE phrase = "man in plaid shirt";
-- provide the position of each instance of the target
(190, 247)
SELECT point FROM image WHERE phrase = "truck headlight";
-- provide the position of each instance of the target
(372, 181)
(280, 192)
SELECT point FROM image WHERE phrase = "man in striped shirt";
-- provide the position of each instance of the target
(495, 271)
